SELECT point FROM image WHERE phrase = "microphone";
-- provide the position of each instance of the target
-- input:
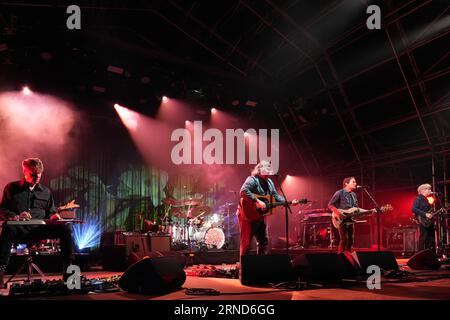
(435, 193)
(362, 187)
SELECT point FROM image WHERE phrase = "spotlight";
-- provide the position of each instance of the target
(213, 110)
(187, 122)
(165, 99)
(26, 91)
(246, 134)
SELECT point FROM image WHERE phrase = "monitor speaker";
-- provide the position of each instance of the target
(260, 270)
(383, 259)
(153, 276)
(424, 260)
(319, 267)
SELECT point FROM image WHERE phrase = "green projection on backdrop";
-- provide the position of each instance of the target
(123, 201)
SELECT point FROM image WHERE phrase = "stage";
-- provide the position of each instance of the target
(434, 285)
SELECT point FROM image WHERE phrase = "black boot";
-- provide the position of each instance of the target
(260, 250)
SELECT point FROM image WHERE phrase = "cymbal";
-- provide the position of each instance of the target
(192, 202)
(202, 210)
(174, 203)
(177, 212)
(171, 201)
(226, 205)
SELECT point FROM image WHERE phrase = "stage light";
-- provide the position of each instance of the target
(115, 69)
(251, 103)
(165, 99)
(213, 110)
(246, 134)
(187, 122)
(26, 91)
(129, 118)
(87, 234)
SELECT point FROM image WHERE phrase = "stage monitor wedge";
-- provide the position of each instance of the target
(424, 260)
(319, 267)
(153, 276)
(261, 270)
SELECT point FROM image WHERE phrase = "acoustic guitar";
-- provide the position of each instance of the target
(251, 212)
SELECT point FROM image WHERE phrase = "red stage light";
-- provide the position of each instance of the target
(165, 99)
(213, 110)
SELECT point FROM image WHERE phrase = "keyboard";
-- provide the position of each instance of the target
(36, 222)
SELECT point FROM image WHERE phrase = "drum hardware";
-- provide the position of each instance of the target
(226, 206)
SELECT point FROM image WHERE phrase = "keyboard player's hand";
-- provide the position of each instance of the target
(25, 216)
(55, 217)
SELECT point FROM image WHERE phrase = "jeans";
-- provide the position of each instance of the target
(346, 235)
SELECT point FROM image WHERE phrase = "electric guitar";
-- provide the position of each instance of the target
(251, 212)
(351, 213)
(427, 222)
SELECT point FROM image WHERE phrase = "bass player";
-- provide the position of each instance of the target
(346, 199)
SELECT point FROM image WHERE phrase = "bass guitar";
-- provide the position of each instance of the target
(350, 214)
(251, 212)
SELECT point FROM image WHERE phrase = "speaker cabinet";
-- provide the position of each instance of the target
(383, 259)
(424, 260)
(319, 267)
(260, 270)
(159, 243)
(153, 276)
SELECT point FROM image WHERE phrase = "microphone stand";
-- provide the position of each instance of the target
(378, 218)
(287, 209)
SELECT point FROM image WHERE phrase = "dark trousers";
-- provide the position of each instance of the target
(250, 229)
(346, 237)
(24, 234)
(426, 238)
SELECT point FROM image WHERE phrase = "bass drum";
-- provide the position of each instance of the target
(214, 238)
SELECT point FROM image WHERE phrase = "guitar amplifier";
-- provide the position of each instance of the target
(144, 244)
(403, 239)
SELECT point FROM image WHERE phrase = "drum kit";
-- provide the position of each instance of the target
(193, 225)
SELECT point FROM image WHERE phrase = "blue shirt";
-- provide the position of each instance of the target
(342, 199)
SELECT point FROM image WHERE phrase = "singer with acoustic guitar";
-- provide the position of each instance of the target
(256, 194)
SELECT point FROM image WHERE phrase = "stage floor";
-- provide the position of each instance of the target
(426, 285)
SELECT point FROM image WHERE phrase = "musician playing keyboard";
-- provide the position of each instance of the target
(28, 199)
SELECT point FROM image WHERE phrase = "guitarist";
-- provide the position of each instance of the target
(421, 209)
(258, 183)
(28, 199)
(346, 198)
